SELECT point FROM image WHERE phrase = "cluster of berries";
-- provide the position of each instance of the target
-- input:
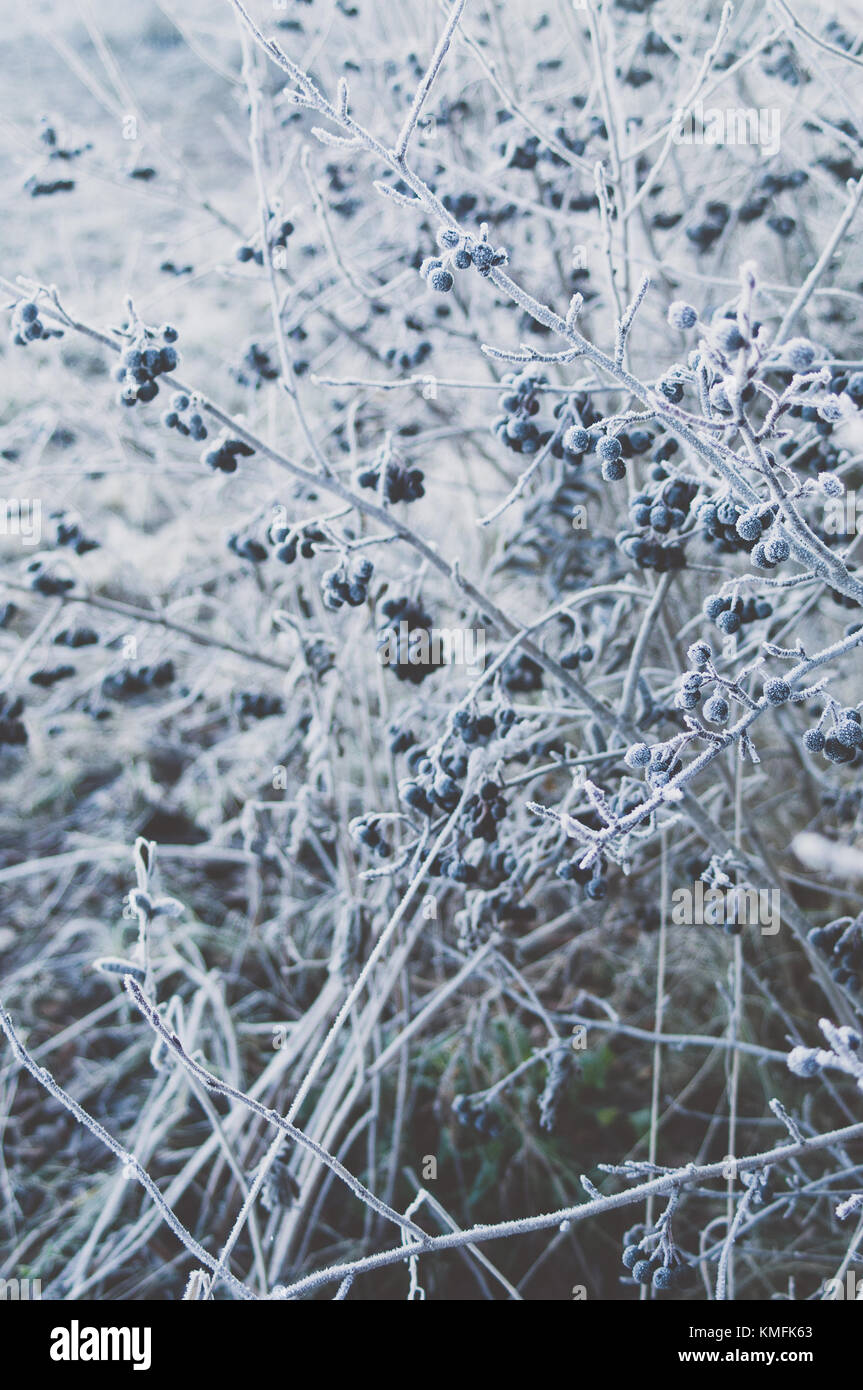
(69, 533)
(665, 218)
(340, 587)
(406, 361)
(660, 762)
(479, 728)
(406, 619)
(840, 745)
(431, 786)
(461, 252)
(499, 914)
(27, 325)
(780, 60)
(436, 275)
(610, 451)
(370, 834)
(462, 206)
(40, 188)
(590, 879)
(256, 367)
(453, 764)
(729, 615)
(782, 224)
(578, 656)
(254, 704)
(526, 153)
(820, 455)
(476, 1113)
(838, 35)
(142, 362)
(500, 865)
(841, 943)
(521, 675)
(49, 676)
(338, 183)
(452, 865)
(581, 406)
(703, 234)
(223, 453)
(244, 252)
(484, 812)
(717, 708)
(401, 483)
(664, 509)
(632, 443)
(434, 785)
(401, 739)
(281, 229)
(730, 527)
(841, 383)
(76, 637)
(433, 790)
(689, 696)
(519, 403)
(248, 548)
(45, 582)
(12, 731)
(768, 186)
(659, 1266)
(293, 541)
(182, 418)
(651, 554)
(125, 684)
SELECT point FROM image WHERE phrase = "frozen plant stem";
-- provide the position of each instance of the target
(212, 1083)
(804, 544)
(129, 1161)
(317, 994)
(401, 146)
(690, 1175)
(317, 480)
(658, 1019)
(801, 299)
(338, 1023)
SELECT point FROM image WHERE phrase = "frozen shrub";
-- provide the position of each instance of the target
(463, 621)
